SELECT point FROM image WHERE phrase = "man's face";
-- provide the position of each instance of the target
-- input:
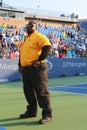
(30, 28)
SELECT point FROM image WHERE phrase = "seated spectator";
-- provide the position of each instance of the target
(3, 26)
(73, 53)
(4, 43)
(1, 36)
(1, 51)
(69, 54)
(12, 54)
(61, 55)
(56, 53)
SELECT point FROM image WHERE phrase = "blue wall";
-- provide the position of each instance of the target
(9, 70)
(57, 67)
(67, 66)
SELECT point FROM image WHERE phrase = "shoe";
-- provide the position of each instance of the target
(45, 120)
(27, 115)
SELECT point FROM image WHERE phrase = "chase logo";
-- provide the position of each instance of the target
(50, 65)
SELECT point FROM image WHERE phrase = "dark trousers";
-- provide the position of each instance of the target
(35, 86)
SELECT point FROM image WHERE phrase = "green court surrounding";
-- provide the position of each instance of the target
(69, 110)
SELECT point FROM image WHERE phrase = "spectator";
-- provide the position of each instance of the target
(12, 54)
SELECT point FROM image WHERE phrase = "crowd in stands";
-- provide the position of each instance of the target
(10, 39)
(66, 42)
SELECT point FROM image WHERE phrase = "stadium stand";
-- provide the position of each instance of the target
(66, 42)
(84, 25)
(67, 38)
(12, 21)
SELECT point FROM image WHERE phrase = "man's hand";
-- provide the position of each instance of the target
(35, 63)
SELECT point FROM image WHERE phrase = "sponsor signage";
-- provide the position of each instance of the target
(56, 67)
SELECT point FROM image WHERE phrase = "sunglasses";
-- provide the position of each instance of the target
(30, 25)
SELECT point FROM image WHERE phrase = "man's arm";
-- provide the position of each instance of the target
(44, 53)
(43, 56)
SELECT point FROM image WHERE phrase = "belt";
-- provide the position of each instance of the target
(33, 65)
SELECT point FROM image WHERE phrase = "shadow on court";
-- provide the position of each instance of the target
(7, 122)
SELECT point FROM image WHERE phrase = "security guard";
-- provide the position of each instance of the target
(32, 65)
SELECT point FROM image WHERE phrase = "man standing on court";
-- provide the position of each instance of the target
(32, 64)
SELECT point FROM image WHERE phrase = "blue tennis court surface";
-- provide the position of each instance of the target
(73, 88)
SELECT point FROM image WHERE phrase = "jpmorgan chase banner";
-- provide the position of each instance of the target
(9, 70)
(67, 66)
(56, 67)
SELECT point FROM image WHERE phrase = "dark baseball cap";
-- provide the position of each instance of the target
(31, 24)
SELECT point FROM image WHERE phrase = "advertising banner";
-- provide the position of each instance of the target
(67, 67)
(57, 67)
(9, 70)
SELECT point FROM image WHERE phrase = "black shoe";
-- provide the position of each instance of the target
(27, 115)
(45, 120)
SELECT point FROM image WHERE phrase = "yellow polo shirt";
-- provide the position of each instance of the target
(31, 48)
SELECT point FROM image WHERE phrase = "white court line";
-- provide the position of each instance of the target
(68, 87)
(69, 92)
(76, 87)
(79, 84)
(66, 90)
